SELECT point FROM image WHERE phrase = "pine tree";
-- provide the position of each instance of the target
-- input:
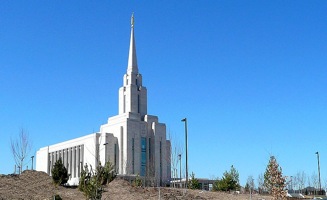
(229, 181)
(194, 182)
(59, 173)
(91, 181)
(274, 180)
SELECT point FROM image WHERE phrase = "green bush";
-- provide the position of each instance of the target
(137, 181)
(59, 173)
(91, 181)
(193, 183)
(229, 181)
(57, 197)
(108, 173)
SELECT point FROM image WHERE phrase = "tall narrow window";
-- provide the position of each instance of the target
(143, 156)
(133, 156)
(160, 163)
(149, 149)
(138, 103)
(121, 153)
(124, 104)
(49, 162)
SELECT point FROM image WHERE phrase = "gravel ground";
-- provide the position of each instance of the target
(38, 185)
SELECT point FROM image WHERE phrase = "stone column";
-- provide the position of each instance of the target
(66, 160)
(78, 161)
(82, 156)
(70, 161)
(121, 153)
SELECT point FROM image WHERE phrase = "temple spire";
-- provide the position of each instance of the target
(132, 60)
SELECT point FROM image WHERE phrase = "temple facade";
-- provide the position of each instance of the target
(133, 141)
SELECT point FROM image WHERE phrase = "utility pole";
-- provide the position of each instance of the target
(319, 172)
(185, 120)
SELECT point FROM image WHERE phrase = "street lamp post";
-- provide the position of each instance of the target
(185, 120)
(319, 171)
(180, 169)
(32, 162)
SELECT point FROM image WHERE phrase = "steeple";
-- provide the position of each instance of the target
(132, 60)
(132, 95)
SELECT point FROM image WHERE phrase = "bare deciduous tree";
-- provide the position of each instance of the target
(250, 183)
(309, 182)
(20, 148)
(314, 179)
(176, 151)
(295, 183)
(301, 179)
(261, 185)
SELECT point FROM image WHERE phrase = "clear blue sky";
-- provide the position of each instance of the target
(250, 76)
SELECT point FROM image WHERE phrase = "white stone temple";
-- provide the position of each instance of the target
(133, 141)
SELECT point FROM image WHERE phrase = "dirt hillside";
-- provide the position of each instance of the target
(38, 185)
(33, 185)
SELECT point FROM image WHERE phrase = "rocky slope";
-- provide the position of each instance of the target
(38, 185)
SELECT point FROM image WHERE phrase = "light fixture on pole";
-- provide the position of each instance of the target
(318, 171)
(185, 120)
(32, 162)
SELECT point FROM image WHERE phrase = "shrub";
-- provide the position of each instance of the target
(108, 173)
(194, 182)
(91, 181)
(57, 197)
(137, 181)
(59, 173)
(229, 181)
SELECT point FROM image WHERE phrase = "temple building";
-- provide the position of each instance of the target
(133, 141)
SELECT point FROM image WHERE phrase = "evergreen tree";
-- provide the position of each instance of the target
(229, 181)
(59, 173)
(108, 173)
(91, 181)
(274, 180)
(137, 181)
(194, 182)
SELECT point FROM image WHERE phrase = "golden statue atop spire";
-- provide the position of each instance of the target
(132, 20)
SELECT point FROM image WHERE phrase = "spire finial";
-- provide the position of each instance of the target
(132, 61)
(132, 20)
